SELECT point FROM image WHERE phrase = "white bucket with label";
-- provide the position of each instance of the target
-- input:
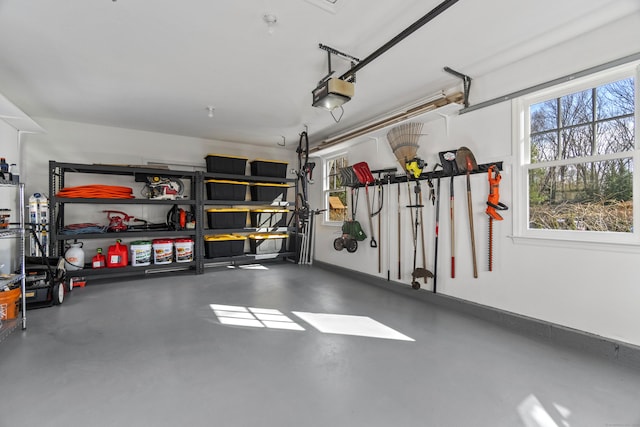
(162, 251)
(184, 250)
(140, 253)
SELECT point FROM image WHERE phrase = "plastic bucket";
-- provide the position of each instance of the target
(140, 253)
(184, 250)
(162, 251)
(9, 304)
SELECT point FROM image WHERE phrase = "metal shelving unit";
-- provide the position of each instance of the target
(197, 200)
(15, 232)
(57, 179)
(245, 258)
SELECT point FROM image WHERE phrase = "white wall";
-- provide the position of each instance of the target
(589, 288)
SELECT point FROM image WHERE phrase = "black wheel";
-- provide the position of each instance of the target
(415, 285)
(351, 245)
(338, 244)
(58, 293)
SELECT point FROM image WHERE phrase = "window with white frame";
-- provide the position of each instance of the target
(576, 150)
(335, 193)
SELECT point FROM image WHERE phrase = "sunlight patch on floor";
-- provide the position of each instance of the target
(340, 324)
(254, 317)
(351, 325)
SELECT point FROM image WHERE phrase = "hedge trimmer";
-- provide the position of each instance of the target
(493, 205)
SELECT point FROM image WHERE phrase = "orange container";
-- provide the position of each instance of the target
(9, 304)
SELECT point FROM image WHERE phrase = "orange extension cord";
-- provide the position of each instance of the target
(96, 191)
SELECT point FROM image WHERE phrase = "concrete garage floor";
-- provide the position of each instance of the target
(154, 352)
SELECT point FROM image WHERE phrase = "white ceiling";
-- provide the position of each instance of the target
(157, 64)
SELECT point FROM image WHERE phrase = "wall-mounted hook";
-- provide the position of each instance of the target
(284, 141)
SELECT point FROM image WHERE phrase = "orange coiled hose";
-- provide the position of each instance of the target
(96, 191)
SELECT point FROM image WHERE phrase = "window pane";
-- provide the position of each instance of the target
(615, 136)
(577, 141)
(544, 116)
(616, 99)
(576, 108)
(593, 196)
(334, 180)
(335, 193)
(544, 147)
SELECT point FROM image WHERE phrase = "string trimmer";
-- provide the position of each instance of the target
(415, 166)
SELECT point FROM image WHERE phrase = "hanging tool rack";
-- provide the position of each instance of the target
(397, 179)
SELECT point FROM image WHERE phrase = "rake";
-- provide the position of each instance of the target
(403, 140)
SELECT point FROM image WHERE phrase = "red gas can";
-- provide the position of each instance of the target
(118, 255)
(99, 260)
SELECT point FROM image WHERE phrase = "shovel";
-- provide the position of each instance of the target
(467, 163)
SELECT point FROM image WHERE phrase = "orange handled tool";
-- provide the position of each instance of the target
(494, 205)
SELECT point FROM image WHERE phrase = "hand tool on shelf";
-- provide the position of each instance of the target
(380, 182)
(493, 205)
(450, 168)
(437, 233)
(466, 162)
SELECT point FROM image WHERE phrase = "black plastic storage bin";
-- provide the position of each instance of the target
(270, 168)
(266, 243)
(220, 189)
(266, 192)
(223, 245)
(268, 218)
(227, 218)
(220, 163)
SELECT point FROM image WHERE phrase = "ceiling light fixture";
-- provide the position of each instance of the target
(332, 92)
(210, 111)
